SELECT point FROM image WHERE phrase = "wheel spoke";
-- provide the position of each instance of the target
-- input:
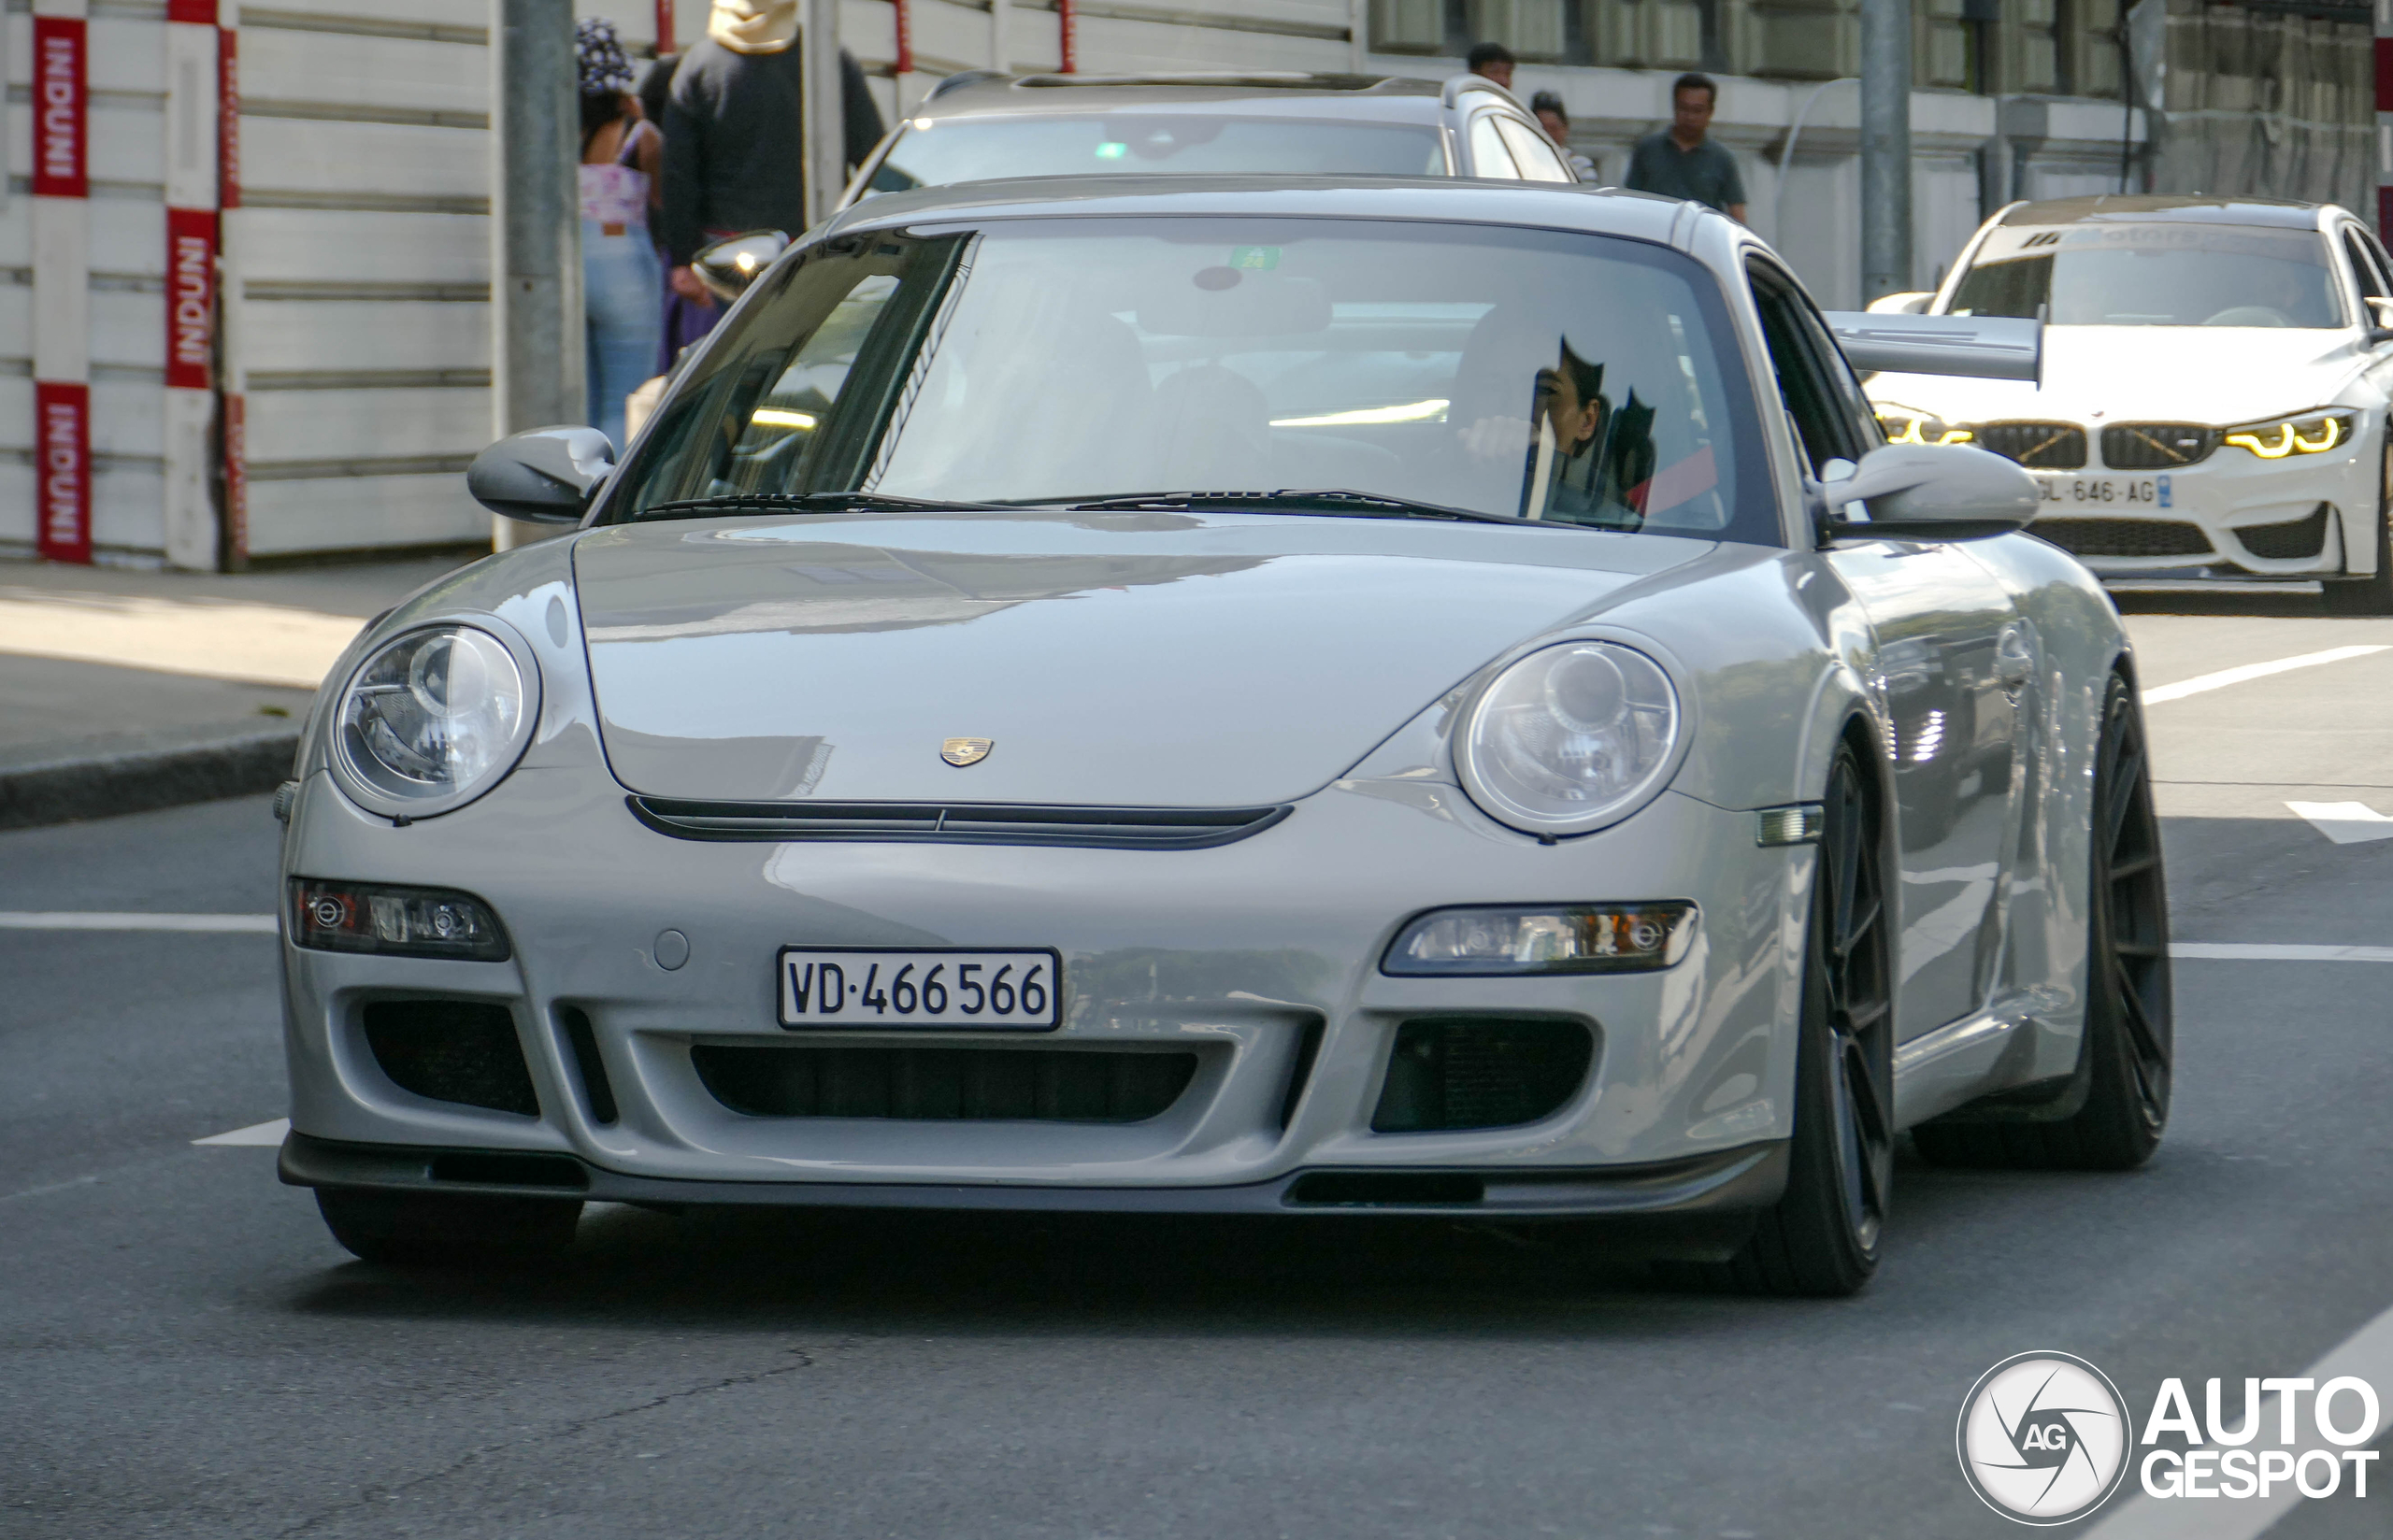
(2140, 1029)
(2133, 867)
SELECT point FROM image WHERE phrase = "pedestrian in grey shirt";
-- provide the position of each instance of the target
(1679, 162)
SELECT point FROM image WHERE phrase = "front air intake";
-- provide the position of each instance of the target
(1030, 1085)
(452, 1050)
(1461, 1072)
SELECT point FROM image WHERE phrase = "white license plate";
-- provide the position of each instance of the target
(921, 987)
(2122, 491)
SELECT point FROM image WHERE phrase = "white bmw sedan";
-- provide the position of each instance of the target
(2215, 375)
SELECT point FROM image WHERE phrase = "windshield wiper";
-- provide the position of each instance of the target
(801, 502)
(1353, 504)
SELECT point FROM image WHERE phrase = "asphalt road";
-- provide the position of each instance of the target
(184, 1351)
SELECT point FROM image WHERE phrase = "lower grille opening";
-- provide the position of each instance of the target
(597, 1090)
(1364, 1190)
(1301, 1073)
(1035, 1084)
(1480, 1072)
(2288, 541)
(2122, 537)
(511, 1170)
(453, 1050)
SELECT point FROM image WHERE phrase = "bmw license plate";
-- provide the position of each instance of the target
(946, 988)
(2122, 491)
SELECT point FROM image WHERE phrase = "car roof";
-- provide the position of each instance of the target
(1290, 94)
(1551, 206)
(2156, 208)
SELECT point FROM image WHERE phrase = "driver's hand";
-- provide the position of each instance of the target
(685, 284)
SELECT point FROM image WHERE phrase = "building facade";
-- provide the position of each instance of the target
(245, 250)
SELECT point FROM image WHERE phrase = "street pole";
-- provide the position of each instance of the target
(535, 228)
(825, 147)
(1885, 147)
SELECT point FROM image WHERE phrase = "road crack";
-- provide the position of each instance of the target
(374, 1495)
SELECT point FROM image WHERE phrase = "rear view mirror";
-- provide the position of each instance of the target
(545, 475)
(1929, 492)
(730, 267)
(1226, 302)
(2380, 319)
(1912, 303)
(1980, 346)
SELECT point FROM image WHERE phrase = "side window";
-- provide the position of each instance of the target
(1534, 153)
(2365, 270)
(1822, 398)
(1488, 156)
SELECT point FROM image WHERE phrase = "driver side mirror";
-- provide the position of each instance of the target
(545, 475)
(2380, 321)
(1927, 491)
(730, 265)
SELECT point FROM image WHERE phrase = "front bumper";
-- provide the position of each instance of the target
(2231, 518)
(1260, 958)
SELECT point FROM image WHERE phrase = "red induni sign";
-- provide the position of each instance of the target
(63, 456)
(58, 154)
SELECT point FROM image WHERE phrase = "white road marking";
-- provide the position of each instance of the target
(257, 1135)
(2344, 823)
(2235, 951)
(2366, 1354)
(68, 919)
(2226, 677)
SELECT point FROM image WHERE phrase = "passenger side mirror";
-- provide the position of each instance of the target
(1927, 491)
(545, 475)
(730, 267)
(1915, 304)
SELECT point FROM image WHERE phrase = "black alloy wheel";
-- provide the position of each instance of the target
(2126, 1062)
(1822, 1238)
(447, 1229)
(2371, 595)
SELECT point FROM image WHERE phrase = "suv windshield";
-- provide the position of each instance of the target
(941, 151)
(2156, 273)
(1524, 374)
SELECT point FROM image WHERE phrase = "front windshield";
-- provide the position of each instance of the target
(941, 151)
(2155, 274)
(1525, 374)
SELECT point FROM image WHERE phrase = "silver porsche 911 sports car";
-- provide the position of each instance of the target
(1236, 696)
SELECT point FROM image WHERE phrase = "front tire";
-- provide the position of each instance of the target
(1822, 1237)
(445, 1229)
(2371, 595)
(2126, 1061)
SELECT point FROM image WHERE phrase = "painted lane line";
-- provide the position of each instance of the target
(2236, 951)
(2344, 823)
(255, 1136)
(67, 920)
(2226, 677)
(2366, 1354)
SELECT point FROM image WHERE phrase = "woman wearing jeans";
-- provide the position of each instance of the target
(621, 153)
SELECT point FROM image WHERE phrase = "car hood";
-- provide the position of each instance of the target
(2218, 375)
(1146, 660)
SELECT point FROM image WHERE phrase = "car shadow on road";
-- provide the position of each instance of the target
(1309, 1275)
(2274, 603)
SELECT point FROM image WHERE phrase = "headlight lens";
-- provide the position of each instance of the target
(1543, 938)
(1569, 739)
(432, 714)
(2310, 432)
(1905, 426)
(352, 917)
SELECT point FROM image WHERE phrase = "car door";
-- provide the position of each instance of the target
(1488, 155)
(2375, 281)
(1952, 661)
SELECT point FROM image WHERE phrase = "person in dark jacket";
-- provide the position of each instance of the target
(733, 127)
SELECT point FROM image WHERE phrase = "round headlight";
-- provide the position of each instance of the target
(1569, 739)
(430, 718)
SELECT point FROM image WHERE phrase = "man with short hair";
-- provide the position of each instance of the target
(1682, 161)
(1494, 61)
(1547, 107)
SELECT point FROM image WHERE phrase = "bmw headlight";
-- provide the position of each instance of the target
(1905, 426)
(2308, 433)
(432, 718)
(1569, 739)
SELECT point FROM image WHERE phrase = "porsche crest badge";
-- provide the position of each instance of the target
(963, 752)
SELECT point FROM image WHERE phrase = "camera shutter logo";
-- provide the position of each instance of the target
(2043, 1438)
